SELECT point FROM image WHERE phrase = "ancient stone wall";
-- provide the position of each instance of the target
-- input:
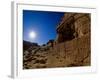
(73, 25)
(73, 39)
(75, 52)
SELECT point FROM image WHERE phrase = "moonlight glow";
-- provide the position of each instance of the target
(32, 35)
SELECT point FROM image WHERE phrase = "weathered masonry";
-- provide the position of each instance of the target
(73, 41)
(73, 25)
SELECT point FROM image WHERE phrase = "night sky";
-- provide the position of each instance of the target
(42, 23)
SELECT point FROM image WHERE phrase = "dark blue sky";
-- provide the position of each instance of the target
(42, 23)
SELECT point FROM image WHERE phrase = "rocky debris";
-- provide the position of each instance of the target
(35, 58)
(41, 61)
(27, 45)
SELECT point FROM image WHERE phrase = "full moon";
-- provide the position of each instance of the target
(32, 34)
